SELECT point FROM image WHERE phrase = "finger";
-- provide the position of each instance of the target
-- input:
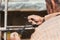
(14, 36)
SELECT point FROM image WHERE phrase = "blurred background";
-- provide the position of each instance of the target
(17, 13)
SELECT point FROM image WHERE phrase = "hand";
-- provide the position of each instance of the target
(14, 36)
(35, 19)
